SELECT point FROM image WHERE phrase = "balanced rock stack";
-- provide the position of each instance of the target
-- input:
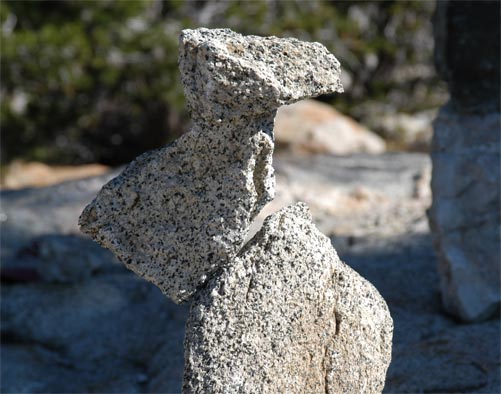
(281, 313)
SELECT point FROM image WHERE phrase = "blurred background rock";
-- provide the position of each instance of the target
(97, 81)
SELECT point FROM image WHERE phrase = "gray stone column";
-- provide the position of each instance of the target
(465, 214)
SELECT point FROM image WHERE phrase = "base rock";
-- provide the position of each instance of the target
(287, 316)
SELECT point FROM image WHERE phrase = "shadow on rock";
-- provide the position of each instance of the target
(73, 321)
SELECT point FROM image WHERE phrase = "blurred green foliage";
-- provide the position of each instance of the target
(86, 81)
(80, 79)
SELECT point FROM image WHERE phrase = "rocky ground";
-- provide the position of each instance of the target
(75, 321)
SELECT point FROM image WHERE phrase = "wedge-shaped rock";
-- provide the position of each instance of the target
(288, 316)
(174, 215)
(178, 213)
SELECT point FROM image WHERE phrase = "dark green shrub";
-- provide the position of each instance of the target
(87, 81)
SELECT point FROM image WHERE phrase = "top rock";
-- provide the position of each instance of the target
(227, 74)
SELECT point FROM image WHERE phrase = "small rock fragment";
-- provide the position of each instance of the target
(287, 316)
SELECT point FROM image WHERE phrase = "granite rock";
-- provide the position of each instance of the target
(178, 213)
(175, 214)
(465, 213)
(311, 126)
(287, 316)
(227, 75)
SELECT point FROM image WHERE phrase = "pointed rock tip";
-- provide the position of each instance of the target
(299, 210)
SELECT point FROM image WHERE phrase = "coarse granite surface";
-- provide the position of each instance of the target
(288, 316)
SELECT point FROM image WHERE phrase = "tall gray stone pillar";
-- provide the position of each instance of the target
(465, 214)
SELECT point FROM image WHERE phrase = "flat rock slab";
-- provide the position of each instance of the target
(354, 195)
(288, 315)
(178, 213)
(28, 213)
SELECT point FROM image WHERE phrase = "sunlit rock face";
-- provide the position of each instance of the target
(288, 316)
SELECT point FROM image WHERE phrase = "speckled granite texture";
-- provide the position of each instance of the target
(288, 316)
(230, 76)
(178, 213)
